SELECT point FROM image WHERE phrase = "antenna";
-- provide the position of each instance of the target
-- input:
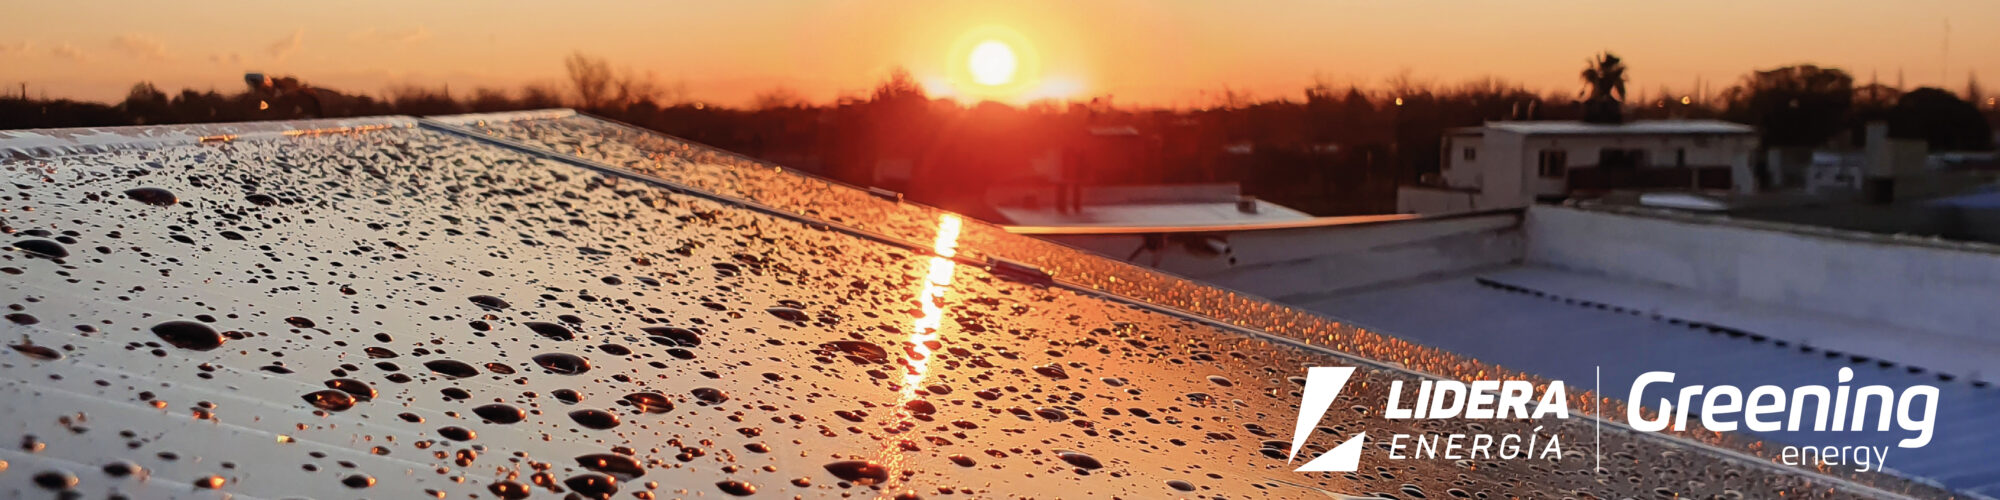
(1944, 62)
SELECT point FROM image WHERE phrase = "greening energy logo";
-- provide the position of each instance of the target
(1721, 408)
(1323, 384)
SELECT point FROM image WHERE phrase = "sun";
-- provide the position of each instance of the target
(992, 63)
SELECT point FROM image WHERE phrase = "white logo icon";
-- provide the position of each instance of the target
(1323, 385)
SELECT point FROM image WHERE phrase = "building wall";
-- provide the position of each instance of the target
(1458, 171)
(1295, 264)
(1940, 288)
(1505, 168)
(1505, 185)
(1430, 200)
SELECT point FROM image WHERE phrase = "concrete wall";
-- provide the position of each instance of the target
(1295, 264)
(1432, 201)
(1947, 288)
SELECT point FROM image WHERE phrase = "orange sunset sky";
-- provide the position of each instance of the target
(1165, 52)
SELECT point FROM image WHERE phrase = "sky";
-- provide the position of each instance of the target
(1151, 52)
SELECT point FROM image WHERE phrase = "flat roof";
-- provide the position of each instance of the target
(1637, 127)
(1190, 213)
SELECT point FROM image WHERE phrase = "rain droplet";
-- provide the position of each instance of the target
(864, 350)
(358, 481)
(595, 419)
(55, 480)
(152, 196)
(330, 400)
(711, 396)
(489, 302)
(650, 402)
(788, 314)
(1079, 459)
(262, 200)
(623, 467)
(508, 490)
(456, 433)
(862, 472)
(43, 248)
(40, 352)
(500, 413)
(592, 485)
(567, 396)
(122, 468)
(563, 363)
(551, 330)
(452, 368)
(188, 335)
(360, 390)
(738, 488)
(673, 337)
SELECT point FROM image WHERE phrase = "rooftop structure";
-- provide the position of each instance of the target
(544, 305)
(1138, 205)
(1514, 164)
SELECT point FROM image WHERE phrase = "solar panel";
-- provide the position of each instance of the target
(389, 310)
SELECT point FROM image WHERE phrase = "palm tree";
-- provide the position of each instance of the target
(1604, 83)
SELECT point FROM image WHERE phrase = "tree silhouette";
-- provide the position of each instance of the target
(590, 77)
(1604, 87)
(1794, 106)
(1942, 120)
(899, 86)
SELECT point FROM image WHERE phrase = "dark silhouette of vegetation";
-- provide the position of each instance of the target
(1794, 106)
(1941, 119)
(1604, 82)
(1334, 149)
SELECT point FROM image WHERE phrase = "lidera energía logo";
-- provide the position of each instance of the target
(1722, 408)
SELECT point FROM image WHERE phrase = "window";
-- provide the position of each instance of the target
(1620, 159)
(1471, 154)
(1554, 164)
(1681, 157)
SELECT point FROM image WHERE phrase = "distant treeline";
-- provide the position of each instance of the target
(1333, 149)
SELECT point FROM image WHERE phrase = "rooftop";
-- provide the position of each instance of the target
(1637, 127)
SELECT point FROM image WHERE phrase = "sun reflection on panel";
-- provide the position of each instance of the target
(924, 330)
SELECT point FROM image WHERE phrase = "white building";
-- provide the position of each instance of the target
(1514, 164)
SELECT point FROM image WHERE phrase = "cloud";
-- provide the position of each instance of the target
(284, 48)
(67, 51)
(140, 46)
(403, 36)
(231, 58)
(8, 49)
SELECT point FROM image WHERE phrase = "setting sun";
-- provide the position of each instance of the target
(992, 63)
(996, 63)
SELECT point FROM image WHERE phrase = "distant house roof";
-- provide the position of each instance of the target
(1640, 127)
(1193, 213)
(1139, 205)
